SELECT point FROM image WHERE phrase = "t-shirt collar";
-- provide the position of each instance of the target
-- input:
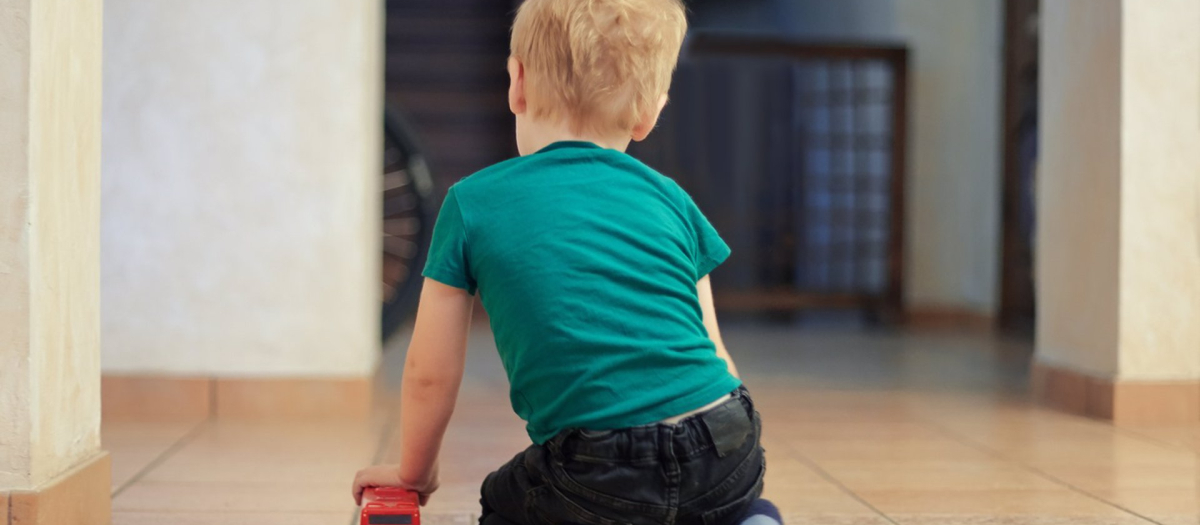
(564, 144)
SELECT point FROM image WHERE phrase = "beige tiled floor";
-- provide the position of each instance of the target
(860, 429)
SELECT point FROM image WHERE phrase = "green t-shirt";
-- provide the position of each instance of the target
(586, 261)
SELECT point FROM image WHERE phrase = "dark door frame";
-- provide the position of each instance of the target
(1017, 294)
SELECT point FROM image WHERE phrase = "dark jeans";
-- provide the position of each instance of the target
(706, 469)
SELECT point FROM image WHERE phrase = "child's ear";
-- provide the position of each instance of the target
(646, 124)
(516, 86)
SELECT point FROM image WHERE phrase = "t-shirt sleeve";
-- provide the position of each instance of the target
(711, 250)
(448, 261)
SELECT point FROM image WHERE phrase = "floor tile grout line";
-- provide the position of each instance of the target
(212, 397)
(385, 438)
(1134, 433)
(837, 483)
(216, 512)
(1026, 466)
(1125, 431)
(159, 459)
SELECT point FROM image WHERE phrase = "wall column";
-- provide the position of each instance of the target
(1118, 258)
(52, 470)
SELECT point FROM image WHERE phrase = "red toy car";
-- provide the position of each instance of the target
(390, 506)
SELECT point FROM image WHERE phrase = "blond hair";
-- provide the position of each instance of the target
(601, 65)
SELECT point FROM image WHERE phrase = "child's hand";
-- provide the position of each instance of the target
(389, 476)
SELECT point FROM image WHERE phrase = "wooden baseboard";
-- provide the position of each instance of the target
(81, 496)
(947, 318)
(155, 398)
(293, 398)
(166, 398)
(1123, 402)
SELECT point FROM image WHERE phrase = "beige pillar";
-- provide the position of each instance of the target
(1118, 249)
(241, 209)
(51, 467)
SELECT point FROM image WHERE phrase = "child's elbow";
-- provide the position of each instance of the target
(428, 379)
(426, 382)
(425, 374)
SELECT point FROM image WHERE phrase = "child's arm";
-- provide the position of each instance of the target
(433, 371)
(704, 289)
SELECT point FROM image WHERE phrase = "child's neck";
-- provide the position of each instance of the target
(532, 136)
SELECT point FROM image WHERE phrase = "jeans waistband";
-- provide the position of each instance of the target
(723, 428)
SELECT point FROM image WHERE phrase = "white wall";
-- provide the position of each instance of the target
(240, 203)
(954, 167)
(1079, 185)
(1119, 189)
(1160, 190)
(956, 58)
(15, 373)
(49, 238)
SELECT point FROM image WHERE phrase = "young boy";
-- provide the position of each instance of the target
(594, 271)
